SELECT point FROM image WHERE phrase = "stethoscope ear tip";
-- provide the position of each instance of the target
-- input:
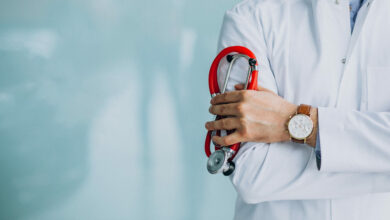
(230, 170)
(229, 58)
(252, 62)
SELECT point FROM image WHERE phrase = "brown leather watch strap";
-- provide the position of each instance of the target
(304, 109)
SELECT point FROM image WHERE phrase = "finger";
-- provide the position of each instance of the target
(223, 124)
(230, 109)
(239, 86)
(228, 140)
(228, 97)
(260, 88)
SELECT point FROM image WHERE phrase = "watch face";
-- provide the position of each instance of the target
(300, 126)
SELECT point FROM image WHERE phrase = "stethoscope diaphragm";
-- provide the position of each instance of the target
(218, 162)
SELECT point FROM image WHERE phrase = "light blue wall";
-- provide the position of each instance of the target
(102, 110)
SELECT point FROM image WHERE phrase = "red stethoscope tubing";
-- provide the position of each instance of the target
(214, 87)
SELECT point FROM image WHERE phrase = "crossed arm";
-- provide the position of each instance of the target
(268, 169)
(258, 116)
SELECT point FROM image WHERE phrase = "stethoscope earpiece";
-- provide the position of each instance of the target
(252, 62)
(229, 58)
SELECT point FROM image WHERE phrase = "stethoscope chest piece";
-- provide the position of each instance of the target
(218, 162)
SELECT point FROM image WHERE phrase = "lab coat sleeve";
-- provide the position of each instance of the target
(354, 141)
(239, 31)
(281, 171)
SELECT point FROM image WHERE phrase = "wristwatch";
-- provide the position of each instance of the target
(300, 125)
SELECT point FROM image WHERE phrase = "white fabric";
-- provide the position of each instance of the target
(301, 46)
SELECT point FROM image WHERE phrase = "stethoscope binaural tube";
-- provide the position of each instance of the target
(221, 159)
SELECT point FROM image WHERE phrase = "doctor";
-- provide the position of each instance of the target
(328, 61)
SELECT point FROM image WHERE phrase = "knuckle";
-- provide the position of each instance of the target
(242, 95)
(222, 109)
(244, 133)
(242, 122)
(244, 130)
(245, 94)
(223, 97)
(244, 127)
(216, 124)
(216, 99)
(240, 108)
(229, 123)
(223, 123)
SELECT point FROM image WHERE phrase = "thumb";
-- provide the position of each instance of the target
(260, 88)
(239, 87)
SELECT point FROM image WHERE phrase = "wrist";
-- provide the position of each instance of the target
(312, 138)
(302, 125)
(290, 111)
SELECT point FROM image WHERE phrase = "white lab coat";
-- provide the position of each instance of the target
(307, 55)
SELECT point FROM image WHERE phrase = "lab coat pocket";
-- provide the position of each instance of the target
(378, 89)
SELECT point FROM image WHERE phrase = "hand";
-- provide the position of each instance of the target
(256, 116)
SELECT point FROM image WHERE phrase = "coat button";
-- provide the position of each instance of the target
(344, 60)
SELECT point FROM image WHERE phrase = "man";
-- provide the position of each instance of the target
(333, 55)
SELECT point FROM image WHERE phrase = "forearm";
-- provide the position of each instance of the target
(288, 171)
(354, 141)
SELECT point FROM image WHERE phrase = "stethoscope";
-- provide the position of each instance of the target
(221, 160)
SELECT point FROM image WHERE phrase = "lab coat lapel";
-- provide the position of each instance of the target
(360, 21)
(350, 80)
(331, 29)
